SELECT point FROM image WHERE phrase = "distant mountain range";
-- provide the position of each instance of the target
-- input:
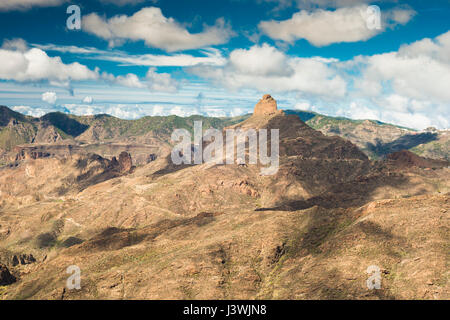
(376, 139)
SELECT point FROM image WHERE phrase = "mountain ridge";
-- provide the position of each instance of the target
(376, 139)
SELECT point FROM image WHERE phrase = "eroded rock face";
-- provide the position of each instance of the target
(6, 277)
(266, 105)
(125, 162)
(23, 259)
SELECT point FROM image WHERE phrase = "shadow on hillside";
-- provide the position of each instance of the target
(113, 238)
(345, 195)
(65, 123)
(403, 143)
(303, 115)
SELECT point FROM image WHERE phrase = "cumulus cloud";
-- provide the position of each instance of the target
(8, 5)
(50, 97)
(154, 81)
(266, 69)
(130, 80)
(388, 114)
(161, 82)
(323, 27)
(35, 65)
(151, 26)
(15, 44)
(408, 86)
(260, 61)
(30, 111)
(122, 111)
(420, 71)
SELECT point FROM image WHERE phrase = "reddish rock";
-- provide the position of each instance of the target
(267, 105)
(125, 162)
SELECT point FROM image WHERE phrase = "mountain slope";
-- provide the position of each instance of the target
(377, 139)
(224, 231)
(374, 138)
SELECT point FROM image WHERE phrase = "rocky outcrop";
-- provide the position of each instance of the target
(22, 259)
(141, 154)
(406, 158)
(267, 105)
(6, 278)
(125, 162)
(24, 154)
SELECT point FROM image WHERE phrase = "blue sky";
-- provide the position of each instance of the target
(160, 57)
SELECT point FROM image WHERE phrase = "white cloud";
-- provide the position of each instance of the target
(209, 56)
(305, 106)
(122, 111)
(419, 71)
(416, 120)
(266, 69)
(330, 3)
(158, 111)
(151, 26)
(50, 97)
(130, 80)
(408, 87)
(16, 44)
(29, 111)
(400, 16)
(126, 112)
(438, 49)
(324, 27)
(154, 81)
(7, 5)
(36, 65)
(260, 61)
(161, 82)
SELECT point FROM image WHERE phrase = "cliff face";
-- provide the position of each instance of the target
(265, 106)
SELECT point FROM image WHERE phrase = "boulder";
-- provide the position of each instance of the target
(6, 277)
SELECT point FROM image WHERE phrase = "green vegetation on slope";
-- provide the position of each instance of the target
(373, 137)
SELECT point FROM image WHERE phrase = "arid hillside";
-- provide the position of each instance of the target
(213, 231)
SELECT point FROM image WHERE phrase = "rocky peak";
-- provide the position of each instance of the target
(125, 162)
(267, 105)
